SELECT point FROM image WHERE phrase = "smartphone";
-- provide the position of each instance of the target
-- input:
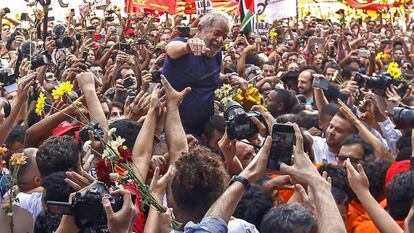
(283, 139)
(320, 82)
(156, 76)
(24, 17)
(11, 88)
(58, 207)
(363, 53)
(142, 42)
(128, 82)
(125, 47)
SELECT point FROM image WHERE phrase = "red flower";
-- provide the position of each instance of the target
(125, 154)
(103, 170)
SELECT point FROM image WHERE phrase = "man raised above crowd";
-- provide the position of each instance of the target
(196, 63)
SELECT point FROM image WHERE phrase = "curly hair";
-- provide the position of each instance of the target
(200, 180)
(58, 154)
(400, 194)
(128, 130)
(376, 169)
(339, 178)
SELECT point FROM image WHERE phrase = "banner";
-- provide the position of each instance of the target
(276, 9)
(375, 5)
(156, 5)
(189, 7)
(203, 7)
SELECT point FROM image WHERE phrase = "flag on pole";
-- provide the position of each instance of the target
(247, 16)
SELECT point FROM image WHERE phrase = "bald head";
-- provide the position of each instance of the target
(28, 176)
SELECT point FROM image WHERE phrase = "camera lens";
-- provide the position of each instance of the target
(233, 109)
(403, 118)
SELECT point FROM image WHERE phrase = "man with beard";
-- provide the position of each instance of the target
(196, 63)
(305, 87)
(326, 149)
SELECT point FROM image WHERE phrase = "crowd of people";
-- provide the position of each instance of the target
(196, 103)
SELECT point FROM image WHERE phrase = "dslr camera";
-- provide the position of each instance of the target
(87, 209)
(28, 49)
(238, 123)
(97, 130)
(60, 36)
(403, 117)
(379, 84)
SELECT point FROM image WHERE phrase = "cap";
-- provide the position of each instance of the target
(395, 169)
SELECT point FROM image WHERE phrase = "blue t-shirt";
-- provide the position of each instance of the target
(202, 74)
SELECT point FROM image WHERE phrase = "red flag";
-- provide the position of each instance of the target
(374, 5)
(156, 5)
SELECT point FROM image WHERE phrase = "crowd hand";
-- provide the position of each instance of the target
(159, 184)
(107, 79)
(174, 98)
(159, 161)
(249, 48)
(86, 45)
(266, 115)
(71, 59)
(145, 81)
(307, 197)
(157, 102)
(23, 86)
(191, 140)
(139, 107)
(235, 80)
(372, 113)
(75, 69)
(358, 180)
(197, 46)
(19, 40)
(166, 220)
(78, 181)
(347, 112)
(277, 183)
(120, 221)
(394, 100)
(121, 58)
(24, 68)
(50, 46)
(57, 106)
(350, 88)
(258, 166)
(86, 81)
(302, 170)
(119, 86)
(2, 13)
(227, 147)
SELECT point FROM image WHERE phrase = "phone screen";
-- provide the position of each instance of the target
(283, 139)
(321, 83)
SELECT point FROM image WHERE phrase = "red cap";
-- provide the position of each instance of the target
(66, 128)
(395, 169)
(129, 32)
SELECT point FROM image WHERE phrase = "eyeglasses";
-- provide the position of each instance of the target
(341, 158)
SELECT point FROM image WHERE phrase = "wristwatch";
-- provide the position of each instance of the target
(242, 180)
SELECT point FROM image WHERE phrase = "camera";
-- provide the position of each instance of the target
(403, 117)
(378, 84)
(94, 126)
(238, 123)
(7, 76)
(40, 60)
(60, 36)
(87, 209)
(156, 76)
(6, 10)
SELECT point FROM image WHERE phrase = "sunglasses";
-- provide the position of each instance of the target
(340, 158)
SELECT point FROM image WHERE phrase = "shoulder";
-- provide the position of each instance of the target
(241, 226)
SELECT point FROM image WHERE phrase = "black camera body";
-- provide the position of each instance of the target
(378, 84)
(238, 123)
(7, 76)
(403, 117)
(60, 36)
(98, 132)
(87, 208)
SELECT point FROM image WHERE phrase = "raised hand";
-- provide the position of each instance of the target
(174, 98)
(197, 46)
(358, 180)
(121, 221)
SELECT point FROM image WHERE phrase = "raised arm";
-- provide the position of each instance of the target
(177, 49)
(360, 185)
(86, 83)
(328, 216)
(175, 134)
(142, 152)
(11, 120)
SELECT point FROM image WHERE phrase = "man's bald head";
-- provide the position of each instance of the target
(28, 176)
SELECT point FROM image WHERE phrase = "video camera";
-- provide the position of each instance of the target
(238, 123)
(87, 209)
(379, 84)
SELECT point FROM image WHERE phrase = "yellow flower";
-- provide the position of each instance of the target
(393, 65)
(40, 104)
(218, 93)
(226, 88)
(225, 100)
(379, 56)
(64, 88)
(18, 159)
(3, 150)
